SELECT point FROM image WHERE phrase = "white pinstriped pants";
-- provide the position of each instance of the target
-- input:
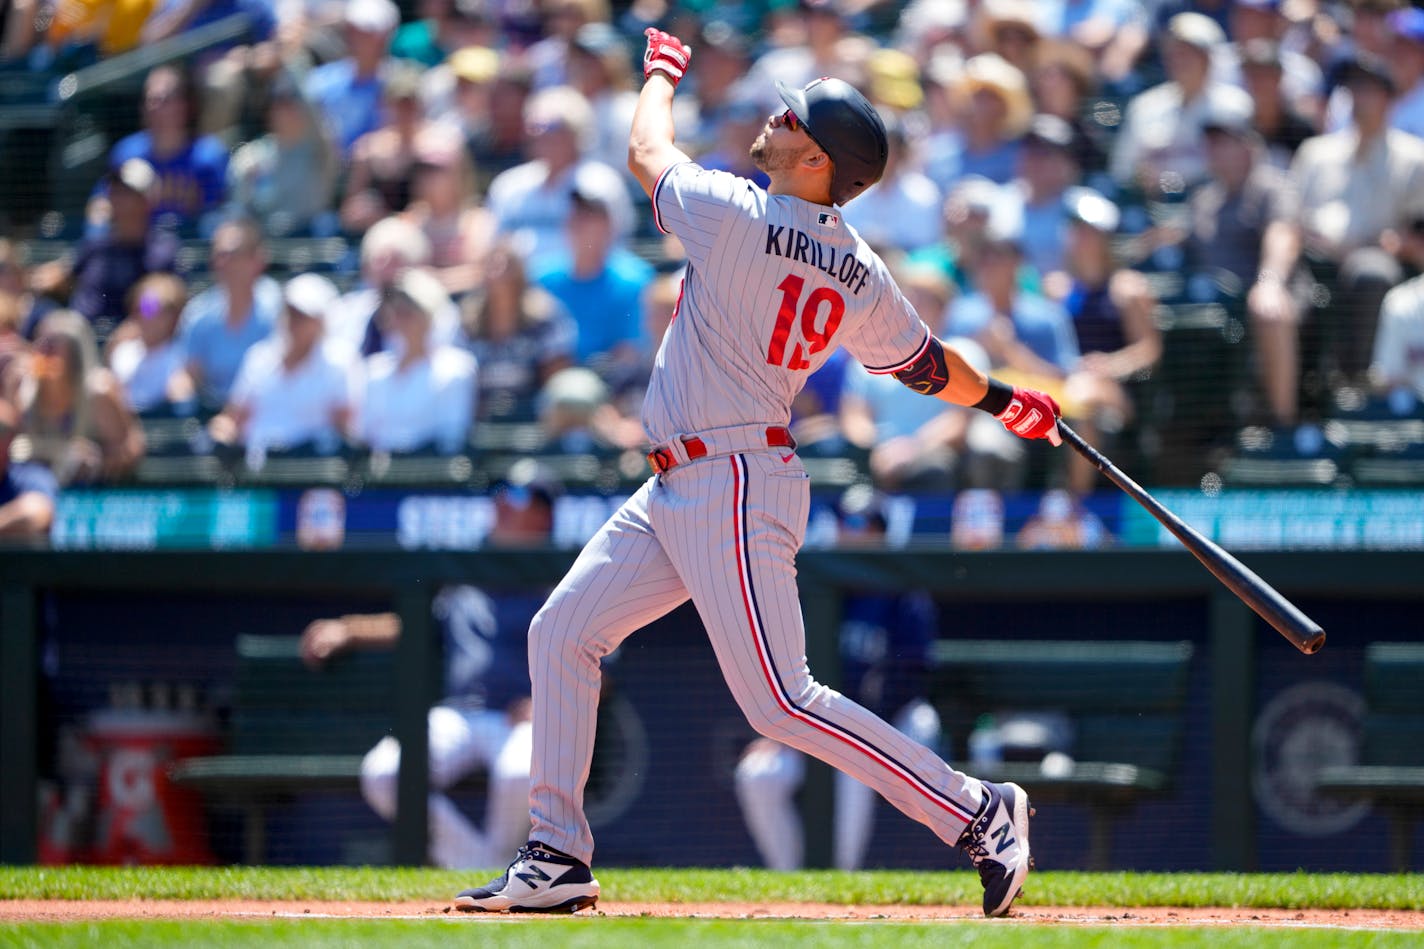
(724, 531)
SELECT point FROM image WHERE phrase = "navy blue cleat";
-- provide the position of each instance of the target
(996, 840)
(540, 880)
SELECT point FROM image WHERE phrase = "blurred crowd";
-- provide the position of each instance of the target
(1060, 170)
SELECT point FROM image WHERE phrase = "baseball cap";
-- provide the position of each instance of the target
(1231, 117)
(422, 289)
(894, 79)
(1408, 24)
(527, 479)
(372, 16)
(1089, 207)
(1052, 131)
(1261, 51)
(1197, 30)
(1259, 4)
(309, 294)
(598, 39)
(477, 64)
(861, 507)
(1367, 67)
(136, 175)
(594, 191)
(438, 146)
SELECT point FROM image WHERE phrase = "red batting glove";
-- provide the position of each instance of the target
(665, 54)
(1032, 414)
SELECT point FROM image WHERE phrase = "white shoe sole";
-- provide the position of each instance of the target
(564, 899)
(1022, 812)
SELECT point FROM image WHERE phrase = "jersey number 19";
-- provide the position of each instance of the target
(815, 339)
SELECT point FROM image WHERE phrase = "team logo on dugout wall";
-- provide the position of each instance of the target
(1303, 730)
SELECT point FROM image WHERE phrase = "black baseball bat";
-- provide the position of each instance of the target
(1303, 632)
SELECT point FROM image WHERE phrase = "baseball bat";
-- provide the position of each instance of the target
(1303, 632)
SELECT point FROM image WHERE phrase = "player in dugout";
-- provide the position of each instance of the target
(776, 280)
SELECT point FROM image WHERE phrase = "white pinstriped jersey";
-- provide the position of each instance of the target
(773, 285)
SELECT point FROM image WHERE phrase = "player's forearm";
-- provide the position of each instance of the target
(371, 630)
(650, 142)
(966, 385)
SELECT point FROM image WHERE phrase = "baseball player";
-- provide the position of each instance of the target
(775, 281)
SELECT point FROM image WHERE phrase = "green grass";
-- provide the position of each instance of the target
(671, 933)
(1264, 890)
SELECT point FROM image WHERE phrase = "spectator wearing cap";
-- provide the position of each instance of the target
(382, 161)
(1112, 312)
(287, 177)
(1301, 81)
(390, 246)
(97, 277)
(548, 56)
(421, 397)
(892, 82)
(348, 92)
(1281, 125)
(149, 361)
(1244, 221)
(191, 169)
(457, 91)
(1357, 186)
(995, 110)
(1364, 28)
(440, 28)
(220, 324)
(1407, 56)
(519, 333)
(573, 411)
(443, 205)
(600, 67)
(1159, 148)
(497, 142)
(1048, 167)
(533, 200)
(598, 281)
(295, 391)
(1397, 364)
(886, 641)
(900, 212)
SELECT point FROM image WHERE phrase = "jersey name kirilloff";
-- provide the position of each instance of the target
(794, 244)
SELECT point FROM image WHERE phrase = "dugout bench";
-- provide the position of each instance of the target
(292, 729)
(1125, 700)
(1390, 773)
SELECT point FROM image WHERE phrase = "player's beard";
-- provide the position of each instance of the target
(769, 158)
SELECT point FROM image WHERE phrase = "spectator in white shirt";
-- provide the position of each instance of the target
(295, 390)
(149, 361)
(1397, 368)
(902, 210)
(421, 398)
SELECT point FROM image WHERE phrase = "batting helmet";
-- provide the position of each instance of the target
(848, 129)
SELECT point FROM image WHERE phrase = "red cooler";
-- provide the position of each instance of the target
(142, 816)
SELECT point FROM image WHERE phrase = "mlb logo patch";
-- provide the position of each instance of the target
(826, 219)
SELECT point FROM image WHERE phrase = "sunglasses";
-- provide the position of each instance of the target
(789, 119)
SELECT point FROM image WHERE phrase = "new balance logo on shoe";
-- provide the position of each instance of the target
(1001, 834)
(533, 876)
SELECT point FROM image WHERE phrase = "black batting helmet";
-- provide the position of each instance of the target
(847, 127)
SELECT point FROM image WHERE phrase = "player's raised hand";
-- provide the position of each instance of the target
(1032, 414)
(665, 54)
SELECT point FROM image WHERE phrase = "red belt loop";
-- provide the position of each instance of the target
(778, 436)
(696, 448)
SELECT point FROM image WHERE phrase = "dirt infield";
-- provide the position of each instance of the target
(78, 910)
